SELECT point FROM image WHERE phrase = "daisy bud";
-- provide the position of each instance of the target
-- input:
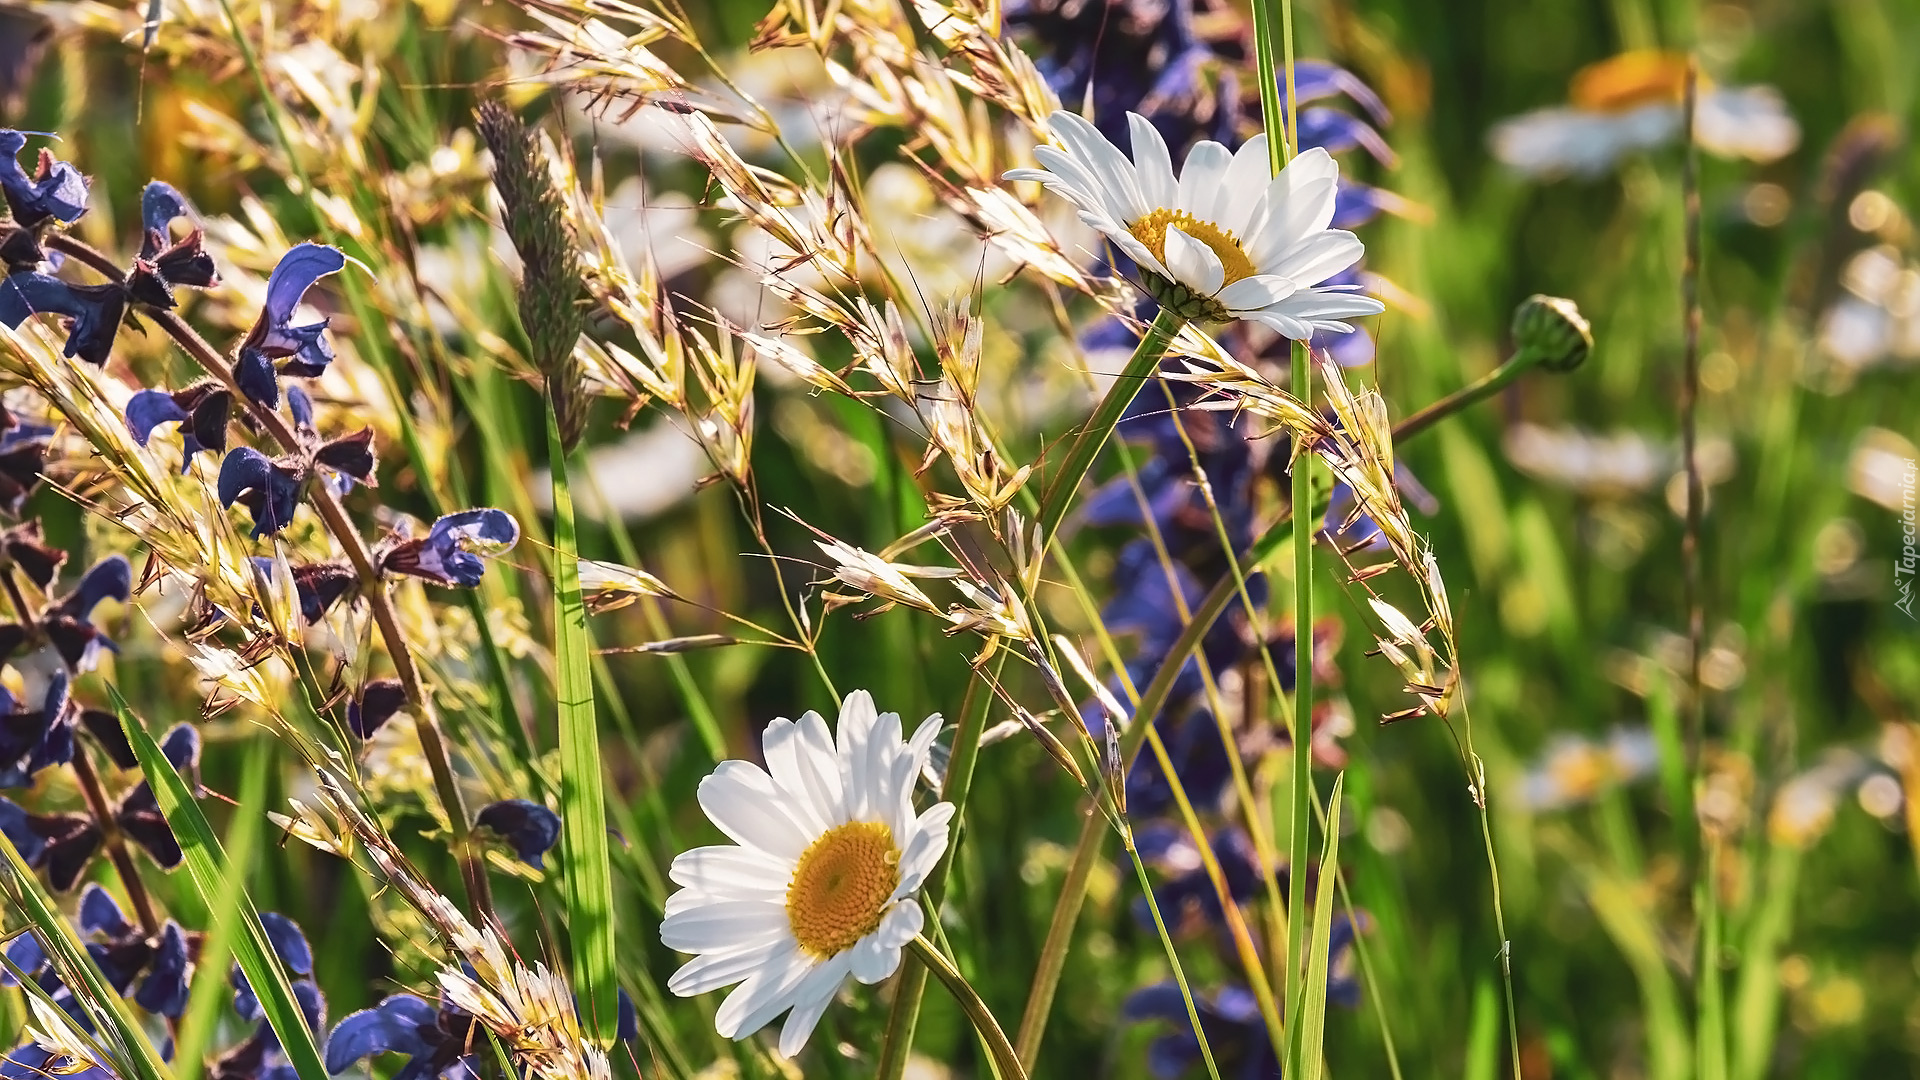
(1551, 332)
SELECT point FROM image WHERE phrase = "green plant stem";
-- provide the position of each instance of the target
(1086, 852)
(583, 821)
(433, 743)
(113, 841)
(1099, 427)
(998, 1048)
(904, 1016)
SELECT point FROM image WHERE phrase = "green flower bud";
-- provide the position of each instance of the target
(1183, 301)
(1550, 331)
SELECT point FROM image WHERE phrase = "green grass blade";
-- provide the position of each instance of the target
(211, 995)
(209, 870)
(128, 1050)
(583, 808)
(1313, 1003)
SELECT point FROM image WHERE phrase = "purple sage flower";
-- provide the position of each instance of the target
(94, 311)
(531, 828)
(56, 191)
(304, 350)
(454, 551)
(268, 489)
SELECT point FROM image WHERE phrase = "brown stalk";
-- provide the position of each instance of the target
(432, 741)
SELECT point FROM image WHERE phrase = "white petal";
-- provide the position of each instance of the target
(900, 925)
(810, 1003)
(742, 800)
(713, 926)
(883, 751)
(1074, 178)
(1109, 166)
(1137, 251)
(713, 970)
(1202, 179)
(929, 841)
(726, 868)
(765, 995)
(1153, 164)
(800, 756)
(1285, 325)
(1193, 263)
(1320, 256)
(1245, 183)
(1317, 304)
(1255, 292)
(1746, 121)
(875, 956)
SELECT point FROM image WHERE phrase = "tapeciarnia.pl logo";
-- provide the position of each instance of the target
(1906, 566)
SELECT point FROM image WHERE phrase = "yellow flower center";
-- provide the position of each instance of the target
(841, 887)
(1630, 80)
(1152, 231)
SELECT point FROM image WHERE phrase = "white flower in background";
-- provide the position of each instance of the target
(1574, 769)
(820, 881)
(1633, 102)
(1878, 316)
(1222, 241)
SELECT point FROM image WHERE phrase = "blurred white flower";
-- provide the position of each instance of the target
(1880, 467)
(664, 223)
(1633, 102)
(1878, 316)
(1575, 769)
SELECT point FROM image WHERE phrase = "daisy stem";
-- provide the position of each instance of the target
(905, 1014)
(1099, 427)
(1004, 1059)
(1086, 852)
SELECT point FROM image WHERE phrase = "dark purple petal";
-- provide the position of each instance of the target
(320, 586)
(351, 455)
(253, 373)
(94, 309)
(399, 1025)
(379, 700)
(16, 826)
(269, 491)
(26, 548)
(21, 470)
(148, 409)
(100, 914)
(288, 941)
(71, 840)
(210, 415)
(1314, 80)
(159, 205)
(301, 406)
(1336, 132)
(56, 191)
(109, 579)
(532, 829)
(165, 989)
(111, 737)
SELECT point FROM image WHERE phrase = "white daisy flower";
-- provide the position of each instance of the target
(1224, 240)
(820, 881)
(1633, 102)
